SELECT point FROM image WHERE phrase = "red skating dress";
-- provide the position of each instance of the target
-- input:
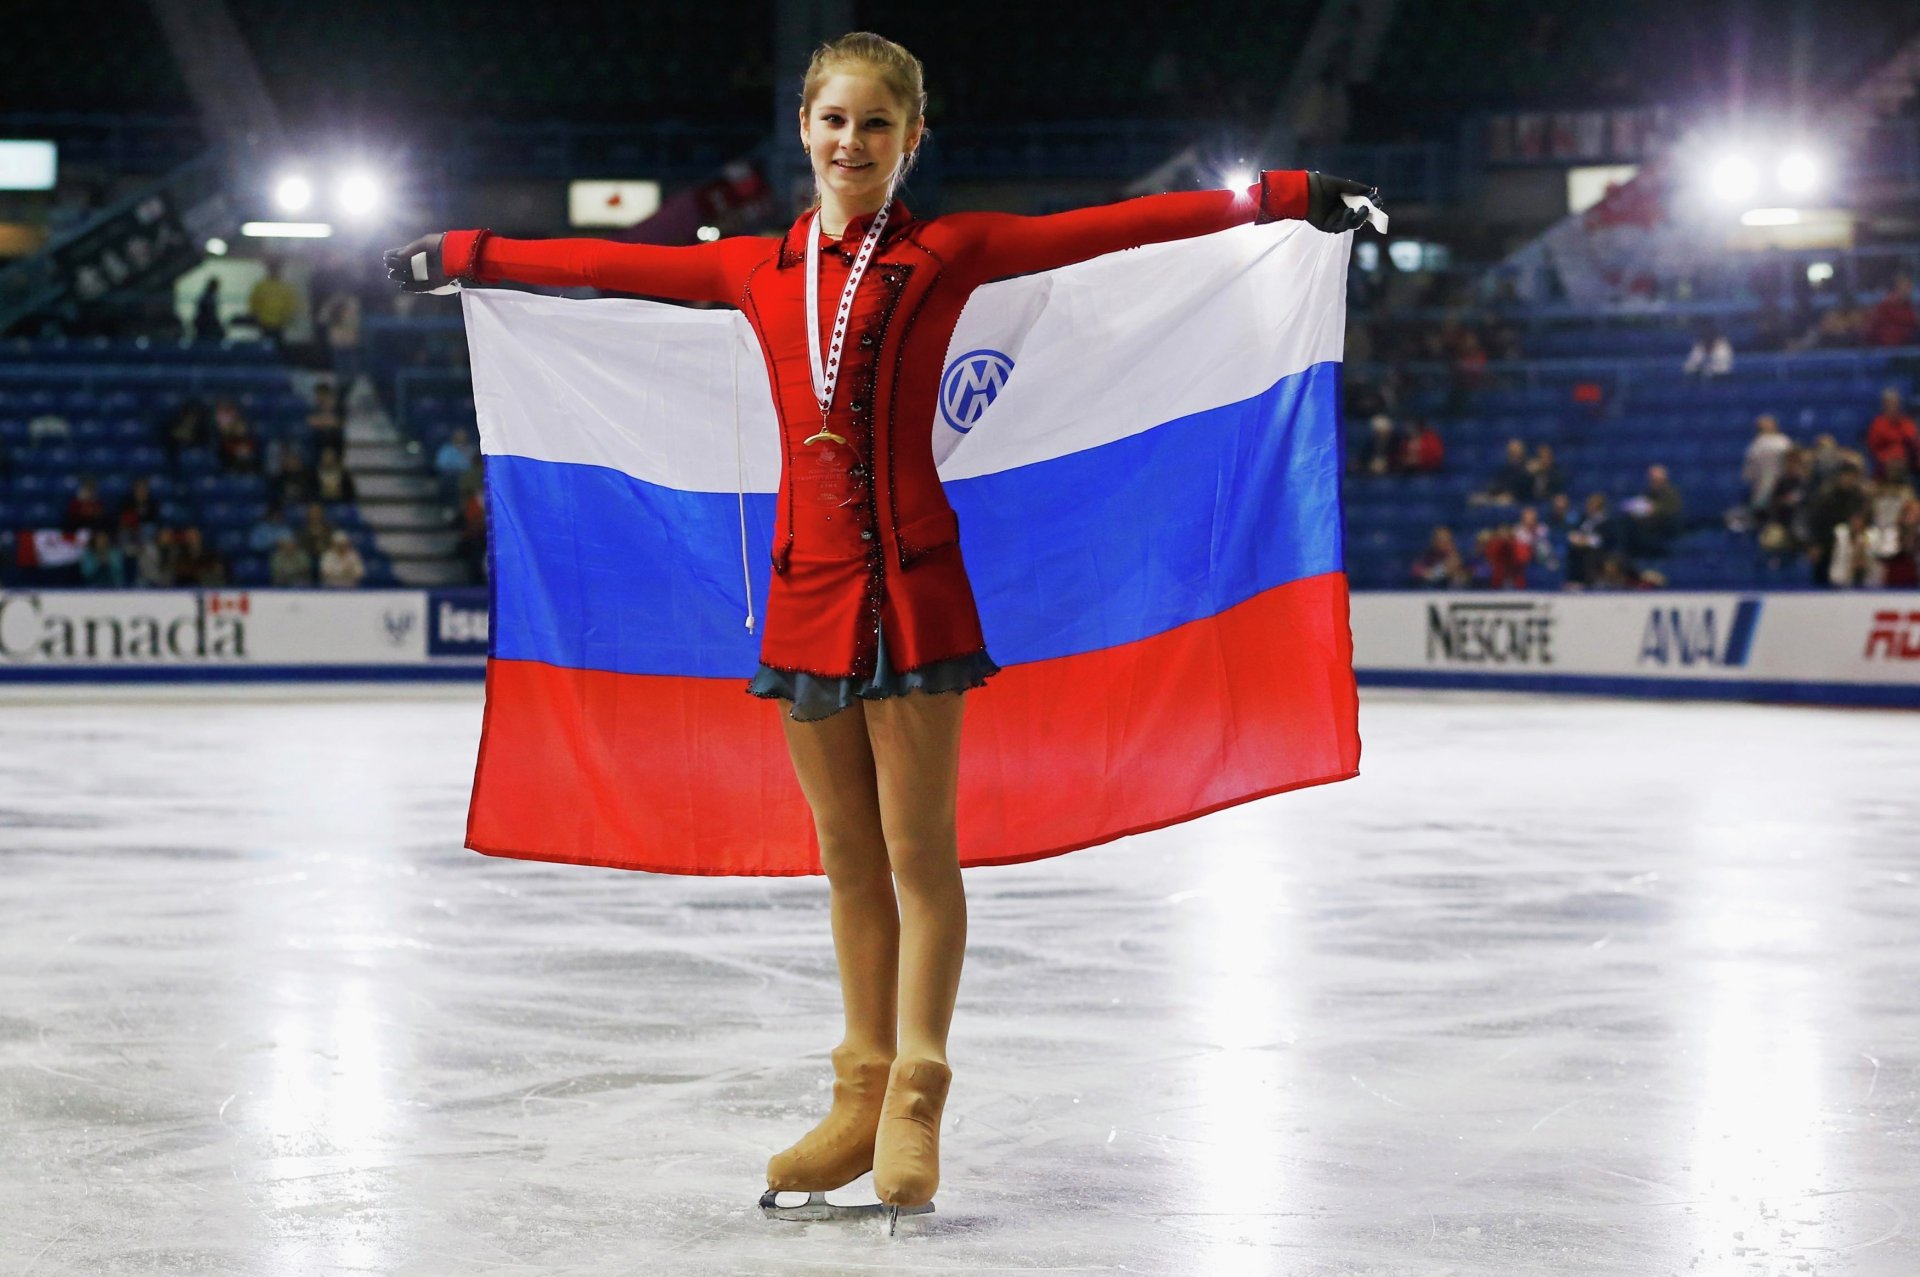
(869, 594)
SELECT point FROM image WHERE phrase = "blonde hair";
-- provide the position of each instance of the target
(866, 53)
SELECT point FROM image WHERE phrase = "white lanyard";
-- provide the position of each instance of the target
(826, 377)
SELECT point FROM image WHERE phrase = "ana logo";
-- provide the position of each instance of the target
(971, 384)
(1688, 636)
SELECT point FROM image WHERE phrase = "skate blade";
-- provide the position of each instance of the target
(817, 1207)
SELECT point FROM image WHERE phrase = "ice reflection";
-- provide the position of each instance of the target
(1756, 1120)
(1246, 984)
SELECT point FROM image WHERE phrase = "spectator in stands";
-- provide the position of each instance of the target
(1900, 569)
(332, 484)
(1891, 438)
(1892, 321)
(1425, 451)
(1616, 573)
(1835, 505)
(139, 507)
(268, 529)
(1765, 456)
(1379, 451)
(339, 324)
(1853, 563)
(1439, 566)
(187, 428)
(1711, 356)
(1513, 481)
(1841, 327)
(325, 428)
(273, 303)
(1545, 477)
(472, 545)
(458, 452)
(86, 512)
(1536, 538)
(1589, 543)
(1501, 558)
(195, 563)
(239, 452)
(290, 565)
(316, 534)
(1824, 461)
(1783, 519)
(208, 327)
(153, 559)
(101, 564)
(341, 567)
(1656, 514)
(292, 485)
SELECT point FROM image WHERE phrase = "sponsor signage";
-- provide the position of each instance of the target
(457, 623)
(1490, 631)
(121, 629)
(1799, 637)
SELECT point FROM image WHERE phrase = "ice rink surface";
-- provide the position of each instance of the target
(1555, 987)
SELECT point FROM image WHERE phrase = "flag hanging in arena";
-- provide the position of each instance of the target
(1143, 451)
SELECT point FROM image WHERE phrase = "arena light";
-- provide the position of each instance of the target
(1239, 179)
(287, 230)
(1819, 272)
(1770, 217)
(1733, 179)
(359, 194)
(1798, 174)
(708, 234)
(293, 193)
(216, 247)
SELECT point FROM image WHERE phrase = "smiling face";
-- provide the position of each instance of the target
(857, 133)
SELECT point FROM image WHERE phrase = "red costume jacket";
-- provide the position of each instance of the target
(863, 534)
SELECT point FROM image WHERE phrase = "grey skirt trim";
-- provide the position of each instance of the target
(815, 698)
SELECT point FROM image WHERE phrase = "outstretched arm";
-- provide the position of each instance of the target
(1004, 244)
(697, 272)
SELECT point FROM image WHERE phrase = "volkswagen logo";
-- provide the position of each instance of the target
(971, 384)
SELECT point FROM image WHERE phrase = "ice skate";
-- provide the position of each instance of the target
(906, 1163)
(837, 1151)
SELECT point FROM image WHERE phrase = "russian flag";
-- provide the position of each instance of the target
(1144, 454)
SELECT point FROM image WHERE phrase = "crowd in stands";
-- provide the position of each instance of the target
(1853, 515)
(130, 540)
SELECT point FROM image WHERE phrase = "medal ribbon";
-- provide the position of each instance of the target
(826, 374)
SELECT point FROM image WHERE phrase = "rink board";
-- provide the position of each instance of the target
(1828, 647)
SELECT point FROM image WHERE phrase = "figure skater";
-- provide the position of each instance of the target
(869, 601)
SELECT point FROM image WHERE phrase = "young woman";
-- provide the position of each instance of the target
(869, 600)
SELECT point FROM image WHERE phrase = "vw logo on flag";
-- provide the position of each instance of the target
(970, 385)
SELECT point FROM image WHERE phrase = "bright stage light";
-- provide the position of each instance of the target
(359, 194)
(708, 234)
(1734, 179)
(293, 193)
(1770, 217)
(286, 230)
(1819, 272)
(1798, 173)
(1239, 179)
(216, 247)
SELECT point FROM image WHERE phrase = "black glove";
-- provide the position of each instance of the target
(401, 265)
(1326, 211)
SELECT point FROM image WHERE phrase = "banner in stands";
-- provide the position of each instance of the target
(241, 632)
(1828, 644)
